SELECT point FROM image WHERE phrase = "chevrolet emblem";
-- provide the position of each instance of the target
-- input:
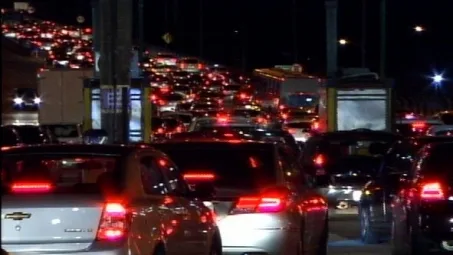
(18, 216)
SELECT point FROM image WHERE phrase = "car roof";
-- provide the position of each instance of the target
(120, 150)
(358, 133)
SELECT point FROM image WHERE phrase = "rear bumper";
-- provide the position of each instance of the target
(240, 237)
(23, 250)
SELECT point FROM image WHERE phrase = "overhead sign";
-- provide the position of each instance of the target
(21, 6)
(168, 38)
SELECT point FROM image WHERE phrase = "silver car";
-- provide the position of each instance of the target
(261, 203)
(99, 199)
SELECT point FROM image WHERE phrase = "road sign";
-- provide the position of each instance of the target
(80, 19)
(168, 38)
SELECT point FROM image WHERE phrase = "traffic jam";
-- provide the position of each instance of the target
(237, 164)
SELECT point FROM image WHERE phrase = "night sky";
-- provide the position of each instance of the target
(264, 32)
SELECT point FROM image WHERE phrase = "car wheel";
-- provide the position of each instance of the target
(395, 243)
(323, 240)
(216, 246)
(160, 250)
(367, 233)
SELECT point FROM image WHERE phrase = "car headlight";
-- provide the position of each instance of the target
(18, 100)
(356, 195)
(37, 100)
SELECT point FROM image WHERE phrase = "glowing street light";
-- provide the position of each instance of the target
(419, 29)
(343, 41)
(438, 78)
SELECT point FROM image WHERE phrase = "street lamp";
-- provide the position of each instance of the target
(438, 78)
(419, 29)
(343, 41)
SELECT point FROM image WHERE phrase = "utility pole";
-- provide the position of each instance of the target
(141, 39)
(295, 34)
(364, 34)
(201, 26)
(383, 45)
(115, 47)
(331, 37)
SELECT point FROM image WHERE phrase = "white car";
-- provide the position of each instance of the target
(100, 199)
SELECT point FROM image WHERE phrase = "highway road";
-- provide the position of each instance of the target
(344, 236)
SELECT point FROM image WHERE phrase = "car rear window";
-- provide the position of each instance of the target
(445, 133)
(303, 125)
(66, 173)
(246, 113)
(235, 165)
(333, 148)
(191, 61)
(63, 131)
(438, 162)
(30, 135)
(171, 123)
(173, 97)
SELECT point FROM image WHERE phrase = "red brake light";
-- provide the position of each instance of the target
(432, 191)
(153, 97)
(160, 130)
(228, 135)
(161, 102)
(315, 125)
(165, 89)
(418, 125)
(200, 66)
(179, 129)
(113, 224)
(222, 119)
(31, 187)
(284, 116)
(264, 204)
(319, 160)
(198, 177)
(243, 96)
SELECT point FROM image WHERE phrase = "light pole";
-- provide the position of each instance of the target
(383, 45)
(201, 26)
(295, 41)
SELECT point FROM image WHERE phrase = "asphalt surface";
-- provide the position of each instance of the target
(344, 236)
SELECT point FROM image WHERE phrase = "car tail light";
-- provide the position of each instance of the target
(179, 129)
(418, 125)
(198, 176)
(315, 125)
(260, 204)
(200, 66)
(284, 116)
(165, 89)
(153, 97)
(432, 191)
(228, 135)
(31, 187)
(113, 224)
(182, 66)
(161, 102)
(160, 131)
(319, 160)
(281, 107)
(243, 96)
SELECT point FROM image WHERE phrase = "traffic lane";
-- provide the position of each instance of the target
(344, 237)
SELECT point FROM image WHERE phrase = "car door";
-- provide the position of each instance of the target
(189, 211)
(155, 186)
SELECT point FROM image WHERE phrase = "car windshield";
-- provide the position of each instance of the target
(66, 173)
(234, 165)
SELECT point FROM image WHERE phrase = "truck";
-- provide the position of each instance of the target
(61, 108)
(280, 87)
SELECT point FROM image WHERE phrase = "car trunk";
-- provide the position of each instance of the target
(43, 223)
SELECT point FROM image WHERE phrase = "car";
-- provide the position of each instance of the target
(301, 129)
(100, 199)
(32, 134)
(261, 200)
(375, 207)
(341, 162)
(422, 207)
